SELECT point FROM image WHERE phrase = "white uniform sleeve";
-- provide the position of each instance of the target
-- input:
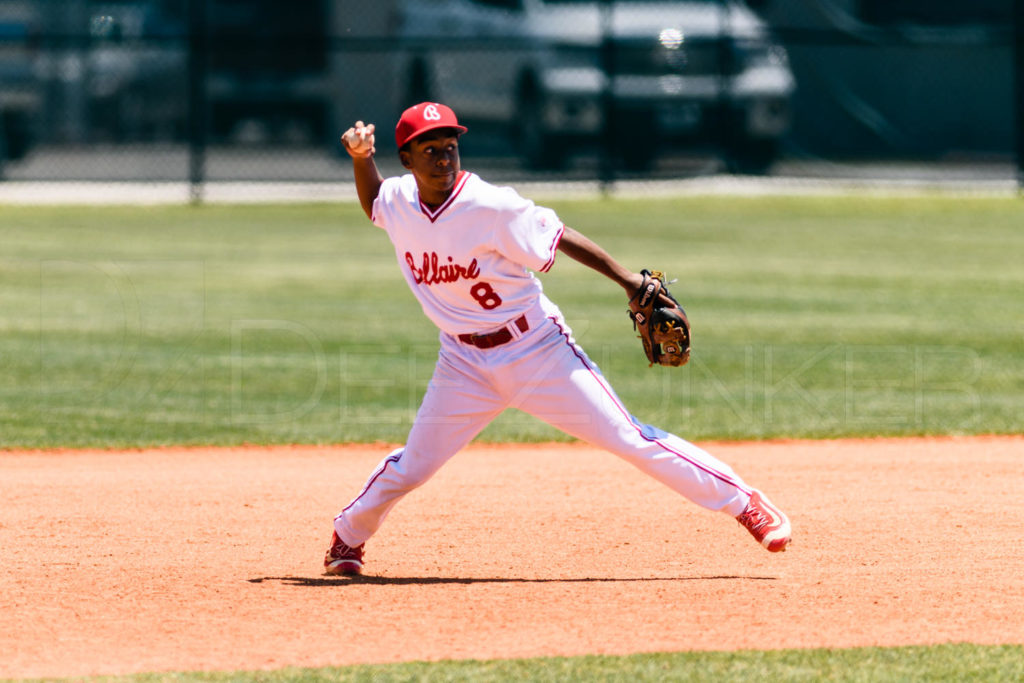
(526, 233)
(380, 214)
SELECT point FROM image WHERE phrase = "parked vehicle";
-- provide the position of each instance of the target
(136, 73)
(267, 77)
(20, 98)
(265, 70)
(558, 74)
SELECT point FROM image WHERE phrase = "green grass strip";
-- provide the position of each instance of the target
(954, 662)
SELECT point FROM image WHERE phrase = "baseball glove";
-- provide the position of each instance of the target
(662, 323)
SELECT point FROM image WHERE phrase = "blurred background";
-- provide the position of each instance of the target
(257, 91)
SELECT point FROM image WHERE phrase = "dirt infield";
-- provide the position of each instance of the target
(205, 559)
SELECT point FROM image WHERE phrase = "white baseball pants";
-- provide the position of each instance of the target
(546, 374)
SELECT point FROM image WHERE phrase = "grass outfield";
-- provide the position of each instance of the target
(813, 317)
(959, 662)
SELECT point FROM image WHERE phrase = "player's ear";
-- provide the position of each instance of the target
(403, 156)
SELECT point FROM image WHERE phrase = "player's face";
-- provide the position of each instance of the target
(433, 158)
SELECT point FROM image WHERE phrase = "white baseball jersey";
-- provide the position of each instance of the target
(468, 261)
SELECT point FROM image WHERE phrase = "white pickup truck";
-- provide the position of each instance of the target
(693, 74)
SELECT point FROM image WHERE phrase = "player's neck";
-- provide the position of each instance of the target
(434, 197)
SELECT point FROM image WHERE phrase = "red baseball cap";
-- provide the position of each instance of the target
(422, 117)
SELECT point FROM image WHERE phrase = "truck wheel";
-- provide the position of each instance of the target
(635, 152)
(539, 149)
(751, 156)
(16, 131)
(3, 146)
(639, 156)
(417, 85)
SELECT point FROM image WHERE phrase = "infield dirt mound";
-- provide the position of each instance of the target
(211, 559)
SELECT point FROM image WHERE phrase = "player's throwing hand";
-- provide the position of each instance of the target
(359, 140)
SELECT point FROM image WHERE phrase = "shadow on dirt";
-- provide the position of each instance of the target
(313, 582)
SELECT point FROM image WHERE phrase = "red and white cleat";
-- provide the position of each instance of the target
(766, 523)
(343, 560)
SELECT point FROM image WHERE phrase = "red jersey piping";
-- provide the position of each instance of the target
(554, 249)
(434, 214)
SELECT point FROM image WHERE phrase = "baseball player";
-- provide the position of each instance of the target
(469, 251)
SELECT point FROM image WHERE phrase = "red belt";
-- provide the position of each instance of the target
(502, 336)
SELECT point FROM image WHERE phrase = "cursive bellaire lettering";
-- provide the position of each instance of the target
(431, 271)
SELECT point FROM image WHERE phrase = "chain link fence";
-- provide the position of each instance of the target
(196, 93)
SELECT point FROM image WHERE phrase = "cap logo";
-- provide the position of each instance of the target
(430, 113)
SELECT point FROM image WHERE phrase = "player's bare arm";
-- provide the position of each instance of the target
(359, 141)
(581, 248)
